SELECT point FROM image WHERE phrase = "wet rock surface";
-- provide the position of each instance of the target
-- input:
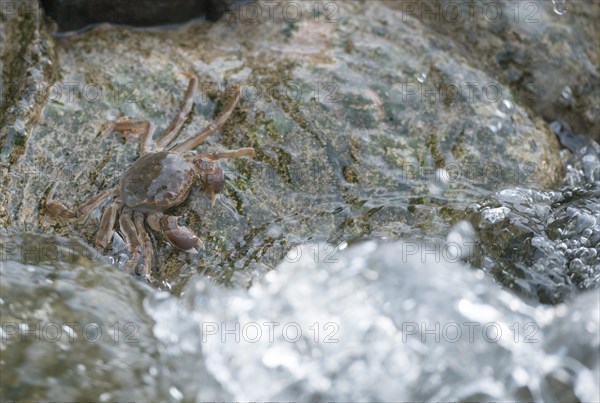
(349, 145)
(27, 68)
(547, 52)
(359, 133)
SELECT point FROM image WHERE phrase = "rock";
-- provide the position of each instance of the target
(71, 15)
(27, 68)
(583, 161)
(359, 128)
(550, 61)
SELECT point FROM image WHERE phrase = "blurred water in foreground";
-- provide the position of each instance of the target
(376, 322)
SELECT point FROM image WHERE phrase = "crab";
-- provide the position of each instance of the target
(160, 179)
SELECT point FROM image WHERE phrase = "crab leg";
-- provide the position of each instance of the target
(217, 155)
(132, 240)
(57, 209)
(107, 223)
(126, 126)
(148, 249)
(172, 131)
(215, 125)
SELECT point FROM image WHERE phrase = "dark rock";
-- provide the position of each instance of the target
(74, 15)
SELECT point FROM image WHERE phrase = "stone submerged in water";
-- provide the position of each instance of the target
(545, 245)
(68, 320)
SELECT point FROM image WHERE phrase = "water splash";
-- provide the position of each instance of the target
(362, 324)
(495, 124)
(505, 109)
(560, 6)
(551, 238)
(566, 96)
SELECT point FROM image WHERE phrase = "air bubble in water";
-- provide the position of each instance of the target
(560, 6)
(175, 393)
(421, 77)
(495, 124)
(440, 183)
(566, 95)
(506, 108)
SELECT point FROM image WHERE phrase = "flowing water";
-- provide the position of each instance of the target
(370, 323)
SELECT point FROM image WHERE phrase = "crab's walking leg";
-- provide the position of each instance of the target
(107, 224)
(132, 240)
(146, 244)
(215, 125)
(181, 238)
(57, 209)
(126, 126)
(172, 131)
(217, 155)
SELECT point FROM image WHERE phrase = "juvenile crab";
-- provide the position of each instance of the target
(161, 178)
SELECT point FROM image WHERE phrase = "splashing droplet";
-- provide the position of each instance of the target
(422, 77)
(566, 95)
(175, 393)
(495, 124)
(560, 6)
(506, 108)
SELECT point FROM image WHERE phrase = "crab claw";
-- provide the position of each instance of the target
(214, 183)
(213, 198)
(212, 176)
(180, 237)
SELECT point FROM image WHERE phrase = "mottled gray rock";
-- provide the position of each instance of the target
(549, 59)
(353, 116)
(27, 67)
